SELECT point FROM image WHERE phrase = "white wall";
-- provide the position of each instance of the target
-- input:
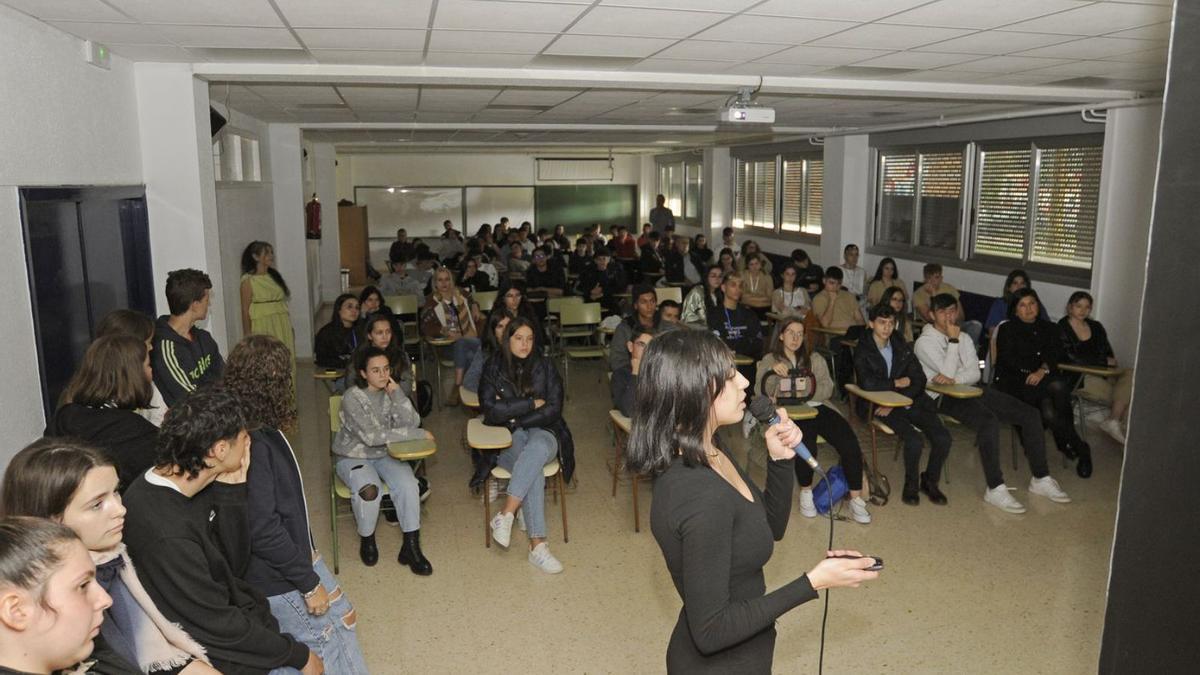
(65, 123)
(291, 248)
(324, 160)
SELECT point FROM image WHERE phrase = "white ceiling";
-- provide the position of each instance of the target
(1040, 43)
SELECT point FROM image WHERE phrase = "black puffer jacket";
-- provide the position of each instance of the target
(504, 405)
(872, 370)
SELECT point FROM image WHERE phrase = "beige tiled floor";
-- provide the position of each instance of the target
(967, 589)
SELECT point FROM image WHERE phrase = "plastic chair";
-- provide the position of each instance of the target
(485, 299)
(579, 321)
(620, 427)
(404, 306)
(665, 293)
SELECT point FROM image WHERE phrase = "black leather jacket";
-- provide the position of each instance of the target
(872, 369)
(503, 405)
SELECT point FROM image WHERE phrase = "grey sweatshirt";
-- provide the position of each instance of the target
(371, 420)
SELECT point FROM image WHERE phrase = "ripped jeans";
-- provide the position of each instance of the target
(332, 636)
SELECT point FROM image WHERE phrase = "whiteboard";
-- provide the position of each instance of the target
(418, 210)
(489, 204)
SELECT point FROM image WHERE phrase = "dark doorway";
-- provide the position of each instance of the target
(87, 250)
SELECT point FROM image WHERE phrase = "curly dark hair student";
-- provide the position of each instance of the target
(194, 425)
(259, 372)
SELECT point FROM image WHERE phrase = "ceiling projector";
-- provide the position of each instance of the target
(748, 114)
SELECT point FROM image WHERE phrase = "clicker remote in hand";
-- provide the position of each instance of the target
(873, 568)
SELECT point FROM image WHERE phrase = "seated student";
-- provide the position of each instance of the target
(376, 412)
(544, 279)
(559, 239)
(810, 275)
(580, 259)
(378, 333)
(511, 296)
(948, 356)
(790, 299)
(624, 245)
(853, 276)
(894, 297)
(886, 276)
(728, 240)
(884, 362)
(701, 254)
(399, 281)
(739, 328)
(679, 266)
(448, 314)
(337, 340)
(703, 297)
(790, 377)
(50, 603)
(757, 286)
(76, 485)
(516, 259)
(727, 261)
(474, 279)
(1086, 343)
(184, 357)
(624, 379)
(669, 313)
(493, 335)
(131, 322)
(750, 248)
(644, 314)
(647, 228)
(934, 285)
(998, 312)
(651, 261)
(603, 282)
(187, 531)
(401, 250)
(1028, 351)
(284, 565)
(521, 390)
(835, 307)
(100, 403)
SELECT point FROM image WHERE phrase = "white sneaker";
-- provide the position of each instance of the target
(521, 519)
(858, 511)
(541, 558)
(748, 423)
(1001, 499)
(1112, 427)
(502, 528)
(1048, 487)
(808, 508)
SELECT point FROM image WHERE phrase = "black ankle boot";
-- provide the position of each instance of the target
(410, 554)
(911, 494)
(1084, 466)
(367, 550)
(930, 488)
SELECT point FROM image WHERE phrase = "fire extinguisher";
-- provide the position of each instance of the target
(312, 218)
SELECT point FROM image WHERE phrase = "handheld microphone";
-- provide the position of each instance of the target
(764, 412)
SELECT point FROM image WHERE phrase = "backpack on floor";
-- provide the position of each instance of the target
(424, 398)
(830, 491)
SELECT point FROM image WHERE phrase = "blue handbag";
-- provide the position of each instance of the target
(828, 492)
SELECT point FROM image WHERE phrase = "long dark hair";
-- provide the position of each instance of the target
(41, 479)
(1012, 276)
(886, 299)
(112, 373)
(708, 300)
(1020, 295)
(499, 313)
(879, 270)
(519, 371)
(249, 265)
(682, 373)
(777, 348)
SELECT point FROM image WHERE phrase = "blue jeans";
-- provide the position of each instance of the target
(331, 636)
(359, 474)
(464, 350)
(531, 450)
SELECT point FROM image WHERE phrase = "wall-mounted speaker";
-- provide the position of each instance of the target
(216, 120)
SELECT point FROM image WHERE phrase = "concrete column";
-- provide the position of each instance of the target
(846, 211)
(718, 200)
(291, 251)
(325, 179)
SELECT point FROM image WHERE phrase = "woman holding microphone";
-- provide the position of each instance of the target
(714, 526)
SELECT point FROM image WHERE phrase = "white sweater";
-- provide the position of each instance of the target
(939, 357)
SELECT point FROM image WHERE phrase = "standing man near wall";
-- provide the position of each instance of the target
(662, 217)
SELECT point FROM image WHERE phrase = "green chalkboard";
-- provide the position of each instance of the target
(577, 206)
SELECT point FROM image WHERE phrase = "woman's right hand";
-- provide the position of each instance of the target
(537, 403)
(780, 369)
(841, 572)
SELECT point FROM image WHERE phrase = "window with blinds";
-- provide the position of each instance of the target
(940, 185)
(1002, 206)
(897, 189)
(680, 182)
(803, 183)
(670, 185)
(754, 194)
(1068, 190)
(692, 186)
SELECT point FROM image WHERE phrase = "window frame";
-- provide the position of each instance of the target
(684, 165)
(965, 256)
(918, 151)
(779, 158)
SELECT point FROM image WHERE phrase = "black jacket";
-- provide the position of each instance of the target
(126, 437)
(504, 405)
(181, 365)
(650, 262)
(739, 328)
(811, 278)
(281, 547)
(1094, 352)
(872, 371)
(551, 278)
(611, 280)
(624, 386)
(676, 267)
(334, 344)
(1022, 348)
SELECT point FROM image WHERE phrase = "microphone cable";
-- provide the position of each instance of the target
(825, 611)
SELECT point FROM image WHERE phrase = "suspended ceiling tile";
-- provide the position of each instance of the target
(772, 29)
(705, 5)
(455, 99)
(356, 14)
(383, 116)
(380, 97)
(68, 10)
(236, 55)
(981, 13)
(1158, 31)
(228, 36)
(1005, 64)
(1028, 78)
(923, 60)
(363, 38)
(489, 41)
(943, 76)
(657, 65)
(711, 50)
(204, 12)
(677, 100)
(478, 59)
(289, 94)
(819, 56)
(114, 33)
(995, 42)
(357, 57)
(1094, 48)
(776, 69)
(1097, 19)
(860, 10)
(593, 45)
(643, 22)
(441, 116)
(530, 96)
(885, 36)
(502, 16)
(1150, 56)
(156, 53)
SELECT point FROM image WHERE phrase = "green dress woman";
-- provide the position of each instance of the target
(264, 297)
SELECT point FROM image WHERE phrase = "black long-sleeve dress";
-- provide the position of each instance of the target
(715, 543)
